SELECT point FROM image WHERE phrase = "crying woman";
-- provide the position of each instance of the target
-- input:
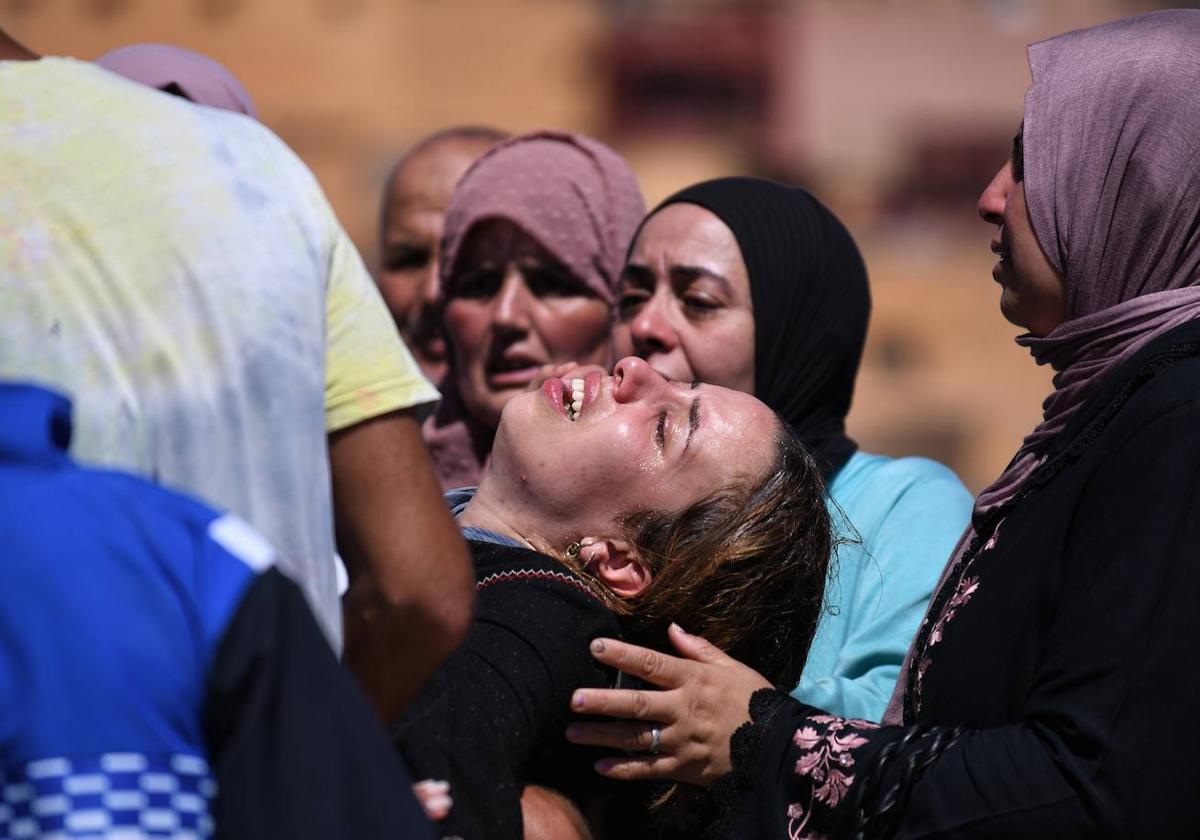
(613, 505)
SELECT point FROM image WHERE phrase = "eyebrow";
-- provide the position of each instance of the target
(644, 275)
(693, 271)
(637, 273)
(693, 420)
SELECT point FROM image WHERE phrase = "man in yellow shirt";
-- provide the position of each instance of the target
(178, 272)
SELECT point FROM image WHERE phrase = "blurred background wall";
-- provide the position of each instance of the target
(895, 113)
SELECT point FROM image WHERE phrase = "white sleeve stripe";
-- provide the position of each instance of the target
(236, 536)
(340, 574)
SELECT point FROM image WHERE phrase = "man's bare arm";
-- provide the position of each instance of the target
(411, 580)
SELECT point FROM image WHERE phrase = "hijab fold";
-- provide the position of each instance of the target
(573, 194)
(808, 288)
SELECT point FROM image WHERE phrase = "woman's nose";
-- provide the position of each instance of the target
(510, 306)
(995, 196)
(651, 330)
(634, 379)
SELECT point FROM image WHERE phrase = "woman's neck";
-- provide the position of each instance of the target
(483, 512)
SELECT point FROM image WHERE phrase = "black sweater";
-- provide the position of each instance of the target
(1057, 697)
(493, 717)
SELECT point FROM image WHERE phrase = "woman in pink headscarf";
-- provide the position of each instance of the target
(1050, 691)
(534, 240)
(180, 72)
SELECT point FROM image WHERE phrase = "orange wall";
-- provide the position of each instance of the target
(350, 83)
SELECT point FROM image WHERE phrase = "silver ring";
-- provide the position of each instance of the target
(655, 739)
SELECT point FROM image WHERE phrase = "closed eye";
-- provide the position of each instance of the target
(661, 434)
(407, 258)
(479, 283)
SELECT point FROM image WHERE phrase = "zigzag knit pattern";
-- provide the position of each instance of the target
(535, 574)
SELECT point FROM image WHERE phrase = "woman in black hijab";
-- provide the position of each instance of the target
(756, 285)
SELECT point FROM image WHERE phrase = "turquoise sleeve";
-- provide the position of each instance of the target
(908, 524)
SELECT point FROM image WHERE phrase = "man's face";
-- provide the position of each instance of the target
(416, 200)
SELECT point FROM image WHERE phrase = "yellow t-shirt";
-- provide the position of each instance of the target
(177, 272)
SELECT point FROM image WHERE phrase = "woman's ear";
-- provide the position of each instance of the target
(616, 564)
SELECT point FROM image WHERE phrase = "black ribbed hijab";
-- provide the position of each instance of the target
(811, 304)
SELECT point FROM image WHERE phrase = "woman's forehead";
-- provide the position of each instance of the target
(684, 223)
(736, 429)
(689, 237)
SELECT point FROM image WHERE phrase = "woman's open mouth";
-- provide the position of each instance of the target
(571, 396)
(1000, 249)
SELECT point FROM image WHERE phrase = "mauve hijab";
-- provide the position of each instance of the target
(1112, 182)
(575, 196)
(199, 78)
(808, 289)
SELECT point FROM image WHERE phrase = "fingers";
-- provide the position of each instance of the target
(434, 797)
(637, 767)
(631, 736)
(550, 371)
(559, 369)
(624, 703)
(584, 370)
(650, 665)
(694, 647)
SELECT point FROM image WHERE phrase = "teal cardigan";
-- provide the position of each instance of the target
(907, 514)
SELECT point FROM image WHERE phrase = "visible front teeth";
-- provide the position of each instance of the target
(576, 398)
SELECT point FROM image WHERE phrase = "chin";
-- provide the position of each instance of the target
(1011, 309)
(485, 406)
(519, 420)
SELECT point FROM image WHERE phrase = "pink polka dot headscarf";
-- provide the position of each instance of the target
(197, 76)
(573, 194)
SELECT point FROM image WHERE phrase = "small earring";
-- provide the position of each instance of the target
(573, 550)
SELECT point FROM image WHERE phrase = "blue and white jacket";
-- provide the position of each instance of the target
(158, 678)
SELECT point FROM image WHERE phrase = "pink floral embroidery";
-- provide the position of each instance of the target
(827, 760)
(962, 594)
(967, 586)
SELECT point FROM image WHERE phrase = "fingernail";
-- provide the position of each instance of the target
(577, 700)
(441, 803)
(597, 646)
(604, 765)
(680, 629)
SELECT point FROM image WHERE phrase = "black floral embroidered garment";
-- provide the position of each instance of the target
(1055, 680)
(494, 716)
